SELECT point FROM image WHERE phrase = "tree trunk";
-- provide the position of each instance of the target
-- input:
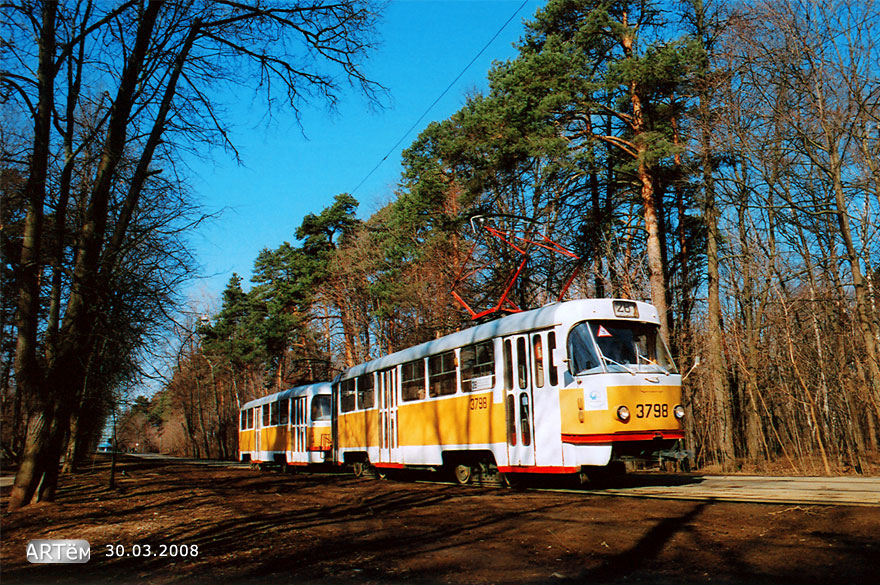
(28, 377)
(717, 370)
(33, 462)
(650, 204)
(863, 304)
(59, 385)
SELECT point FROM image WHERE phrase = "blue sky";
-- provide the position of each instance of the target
(423, 46)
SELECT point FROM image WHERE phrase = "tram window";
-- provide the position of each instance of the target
(478, 367)
(388, 377)
(508, 364)
(628, 346)
(346, 395)
(285, 412)
(413, 380)
(551, 349)
(265, 408)
(250, 420)
(538, 352)
(511, 420)
(321, 408)
(522, 363)
(581, 352)
(524, 419)
(242, 425)
(366, 396)
(441, 374)
(275, 412)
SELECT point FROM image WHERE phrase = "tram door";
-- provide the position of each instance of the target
(298, 429)
(518, 401)
(388, 416)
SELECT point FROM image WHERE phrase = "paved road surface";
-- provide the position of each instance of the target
(858, 491)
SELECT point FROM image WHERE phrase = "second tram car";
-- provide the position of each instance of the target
(293, 427)
(567, 388)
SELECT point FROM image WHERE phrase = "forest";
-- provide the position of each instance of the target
(721, 160)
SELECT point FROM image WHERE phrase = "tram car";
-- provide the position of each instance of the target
(293, 427)
(572, 387)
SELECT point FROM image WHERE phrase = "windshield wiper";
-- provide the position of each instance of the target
(648, 361)
(608, 359)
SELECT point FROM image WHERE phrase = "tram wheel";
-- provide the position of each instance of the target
(463, 474)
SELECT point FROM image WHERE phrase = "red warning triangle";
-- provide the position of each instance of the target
(603, 332)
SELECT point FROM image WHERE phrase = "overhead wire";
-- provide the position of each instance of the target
(440, 97)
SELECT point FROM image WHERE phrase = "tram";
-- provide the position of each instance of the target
(293, 427)
(571, 387)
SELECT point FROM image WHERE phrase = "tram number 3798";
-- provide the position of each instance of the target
(652, 410)
(479, 403)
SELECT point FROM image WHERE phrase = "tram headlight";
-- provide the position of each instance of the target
(679, 411)
(623, 413)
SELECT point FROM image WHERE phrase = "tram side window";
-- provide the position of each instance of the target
(275, 412)
(265, 408)
(388, 380)
(320, 408)
(522, 362)
(413, 380)
(478, 367)
(347, 395)
(285, 412)
(538, 353)
(551, 365)
(511, 420)
(366, 396)
(508, 364)
(442, 375)
(243, 424)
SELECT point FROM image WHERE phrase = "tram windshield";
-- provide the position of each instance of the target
(596, 347)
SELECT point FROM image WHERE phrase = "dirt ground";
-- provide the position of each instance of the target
(253, 527)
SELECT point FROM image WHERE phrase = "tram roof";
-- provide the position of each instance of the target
(547, 316)
(297, 391)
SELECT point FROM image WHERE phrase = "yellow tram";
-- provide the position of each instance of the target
(571, 387)
(293, 427)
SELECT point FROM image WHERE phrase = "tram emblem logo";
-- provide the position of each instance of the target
(597, 399)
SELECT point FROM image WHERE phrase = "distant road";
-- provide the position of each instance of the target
(838, 491)
(205, 462)
(8, 480)
(828, 491)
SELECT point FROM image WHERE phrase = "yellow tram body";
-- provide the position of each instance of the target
(559, 389)
(293, 427)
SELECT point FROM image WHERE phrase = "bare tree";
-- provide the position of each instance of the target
(162, 61)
